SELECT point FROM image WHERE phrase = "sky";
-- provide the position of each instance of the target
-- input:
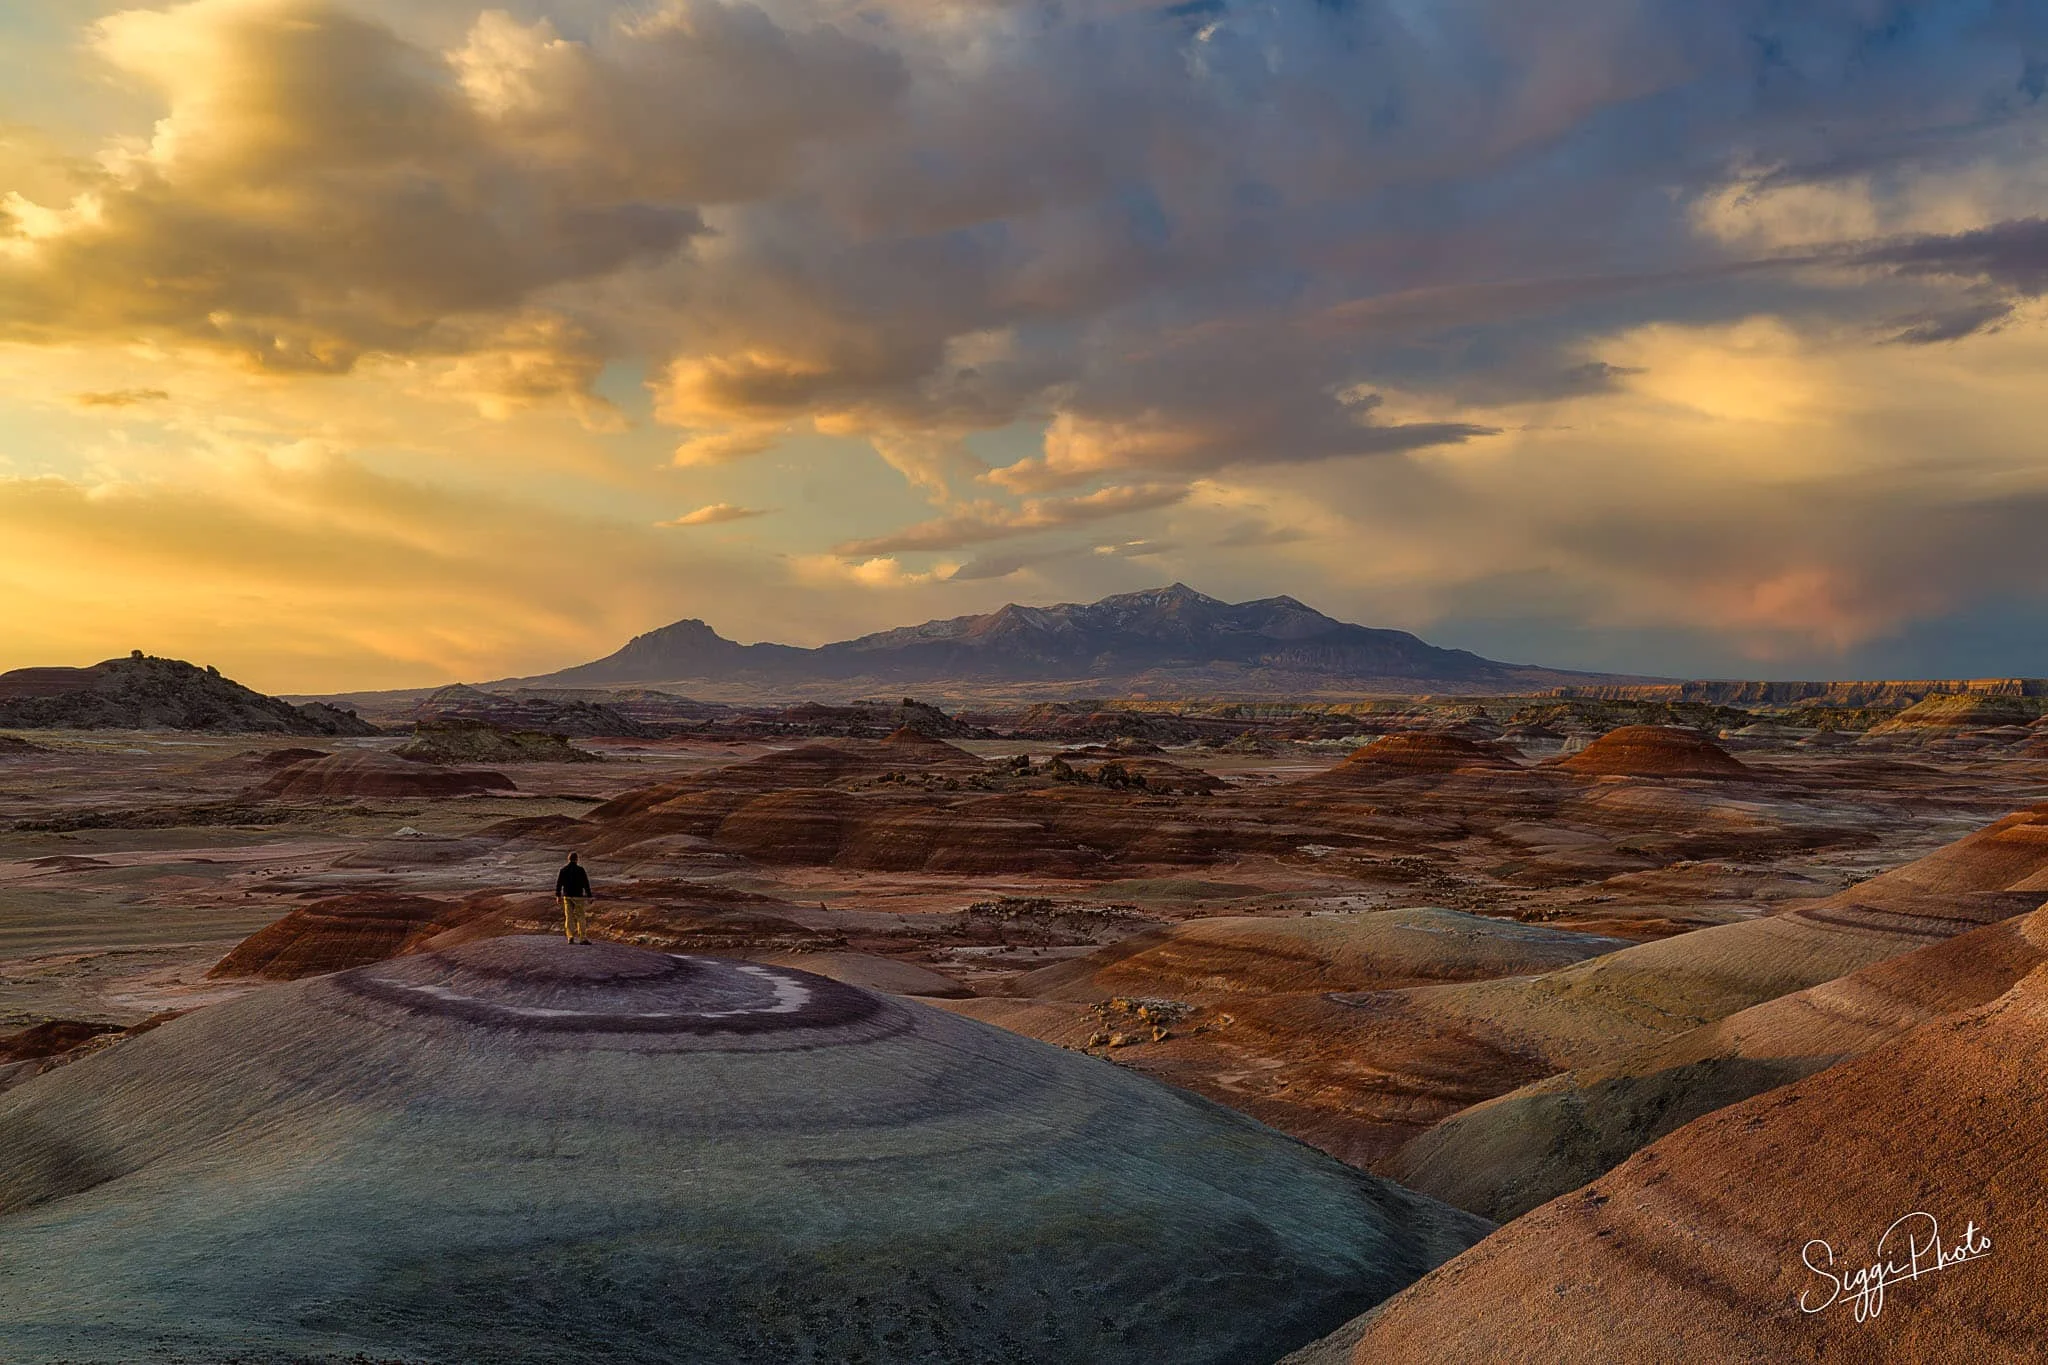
(379, 343)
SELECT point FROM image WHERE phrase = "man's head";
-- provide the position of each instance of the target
(572, 857)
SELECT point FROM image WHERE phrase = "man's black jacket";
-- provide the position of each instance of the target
(572, 880)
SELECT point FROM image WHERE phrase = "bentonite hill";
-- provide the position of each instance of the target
(522, 1150)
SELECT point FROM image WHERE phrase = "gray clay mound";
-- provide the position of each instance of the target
(518, 1150)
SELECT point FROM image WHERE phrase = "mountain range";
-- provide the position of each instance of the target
(1164, 639)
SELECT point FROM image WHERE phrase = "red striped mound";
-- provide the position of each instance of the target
(1655, 751)
(1408, 755)
(338, 933)
(369, 773)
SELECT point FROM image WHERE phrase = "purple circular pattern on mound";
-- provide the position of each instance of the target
(543, 985)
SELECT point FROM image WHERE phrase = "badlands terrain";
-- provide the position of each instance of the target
(1633, 991)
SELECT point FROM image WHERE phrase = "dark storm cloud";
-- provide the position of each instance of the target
(2012, 255)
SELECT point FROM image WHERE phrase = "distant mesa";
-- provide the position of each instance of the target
(143, 693)
(369, 773)
(1886, 695)
(521, 1151)
(457, 741)
(1655, 751)
(338, 933)
(1960, 712)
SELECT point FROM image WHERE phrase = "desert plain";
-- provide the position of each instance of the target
(1543, 1027)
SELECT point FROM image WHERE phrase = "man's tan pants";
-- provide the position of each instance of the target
(575, 917)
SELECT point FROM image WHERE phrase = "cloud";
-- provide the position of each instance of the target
(1254, 534)
(1425, 301)
(320, 188)
(987, 521)
(304, 572)
(2012, 255)
(1953, 324)
(118, 398)
(985, 567)
(875, 572)
(1136, 549)
(714, 514)
(1173, 438)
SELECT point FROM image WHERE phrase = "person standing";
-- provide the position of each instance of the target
(572, 885)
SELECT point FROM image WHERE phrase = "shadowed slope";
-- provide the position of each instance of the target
(1506, 1156)
(1692, 1249)
(521, 1151)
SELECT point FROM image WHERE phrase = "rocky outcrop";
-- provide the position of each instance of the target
(27, 1053)
(333, 720)
(458, 741)
(559, 713)
(143, 693)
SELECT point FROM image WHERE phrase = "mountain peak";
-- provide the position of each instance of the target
(1173, 594)
(1139, 639)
